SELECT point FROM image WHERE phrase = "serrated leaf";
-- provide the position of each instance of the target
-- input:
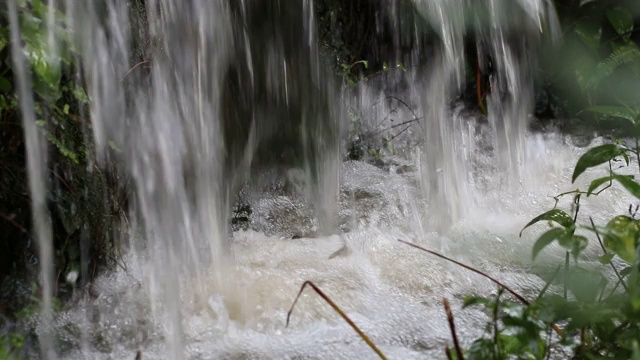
(597, 182)
(545, 239)
(614, 112)
(606, 258)
(594, 157)
(555, 215)
(621, 20)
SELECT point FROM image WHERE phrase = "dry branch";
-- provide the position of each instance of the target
(340, 312)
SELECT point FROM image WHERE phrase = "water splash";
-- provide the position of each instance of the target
(169, 126)
(506, 32)
(36, 146)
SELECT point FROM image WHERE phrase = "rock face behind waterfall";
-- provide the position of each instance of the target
(277, 94)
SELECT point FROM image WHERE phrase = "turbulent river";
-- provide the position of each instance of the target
(188, 287)
(391, 291)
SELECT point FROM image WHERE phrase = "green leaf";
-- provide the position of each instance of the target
(4, 37)
(614, 112)
(481, 349)
(597, 182)
(594, 157)
(621, 237)
(626, 271)
(621, 20)
(606, 258)
(589, 32)
(584, 284)
(475, 300)
(577, 245)
(545, 239)
(65, 110)
(555, 215)
(631, 185)
(5, 85)
(585, 2)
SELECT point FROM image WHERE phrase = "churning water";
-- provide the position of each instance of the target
(192, 288)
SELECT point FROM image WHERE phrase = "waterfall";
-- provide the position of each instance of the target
(227, 82)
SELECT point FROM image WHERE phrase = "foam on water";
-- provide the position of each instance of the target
(393, 292)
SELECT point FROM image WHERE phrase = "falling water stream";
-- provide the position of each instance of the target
(193, 288)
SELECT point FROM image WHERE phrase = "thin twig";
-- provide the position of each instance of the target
(512, 292)
(398, 125)
(396, 135)
(496, 330)
(452, 327)
(637, 152)
(14, 223)
(548, 347)
(566, 274)
(593, 225)
(546, 286)
(134, 67)
(340, 312)
(415, 116)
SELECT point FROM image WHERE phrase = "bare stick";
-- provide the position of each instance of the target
(512, 292)
(340, 312)
(14, 223)
(452, 327)
(134, 67)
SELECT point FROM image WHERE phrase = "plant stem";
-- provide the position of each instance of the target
(604, 250)
(566, 273)
(452, 327)
(339, 311)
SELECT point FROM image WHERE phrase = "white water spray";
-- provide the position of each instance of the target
(170, 133)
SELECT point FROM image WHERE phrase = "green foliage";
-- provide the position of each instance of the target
(75, 182)
(10, 345)
(594, 157)
(600, 320)
(600, 55)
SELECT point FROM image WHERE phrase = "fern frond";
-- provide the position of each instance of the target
(625, 55)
